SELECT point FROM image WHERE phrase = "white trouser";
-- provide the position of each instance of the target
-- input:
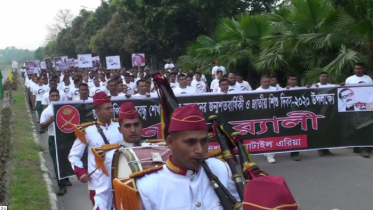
(272, 155)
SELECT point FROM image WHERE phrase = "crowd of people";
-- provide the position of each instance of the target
(85, 84)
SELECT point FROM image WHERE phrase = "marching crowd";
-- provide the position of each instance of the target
(83, 84)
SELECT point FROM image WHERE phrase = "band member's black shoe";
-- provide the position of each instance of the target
(328, 153)
(295, 158)
(68, 183)
(325, 152)
(62, 191)
(365, 153)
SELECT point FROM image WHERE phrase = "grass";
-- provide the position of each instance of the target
(27, 188)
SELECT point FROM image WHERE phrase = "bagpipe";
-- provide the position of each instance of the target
(257, 190)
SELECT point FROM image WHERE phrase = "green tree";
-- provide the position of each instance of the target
(39, 54)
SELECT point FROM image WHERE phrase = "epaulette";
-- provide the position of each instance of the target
(99, 154)
(215, 153)
(115, 119)
(80, 132)
(142, 173)
(126, 194)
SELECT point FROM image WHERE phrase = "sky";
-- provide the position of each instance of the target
(23, 23)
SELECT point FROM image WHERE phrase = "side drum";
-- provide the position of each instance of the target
(130, 160)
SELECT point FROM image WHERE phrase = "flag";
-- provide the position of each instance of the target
(10, 76)
(1, 86)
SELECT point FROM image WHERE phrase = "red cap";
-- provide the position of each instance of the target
(187, 118)
(128, 111)
(100, 98)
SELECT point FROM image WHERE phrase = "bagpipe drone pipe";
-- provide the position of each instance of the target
(258, 190)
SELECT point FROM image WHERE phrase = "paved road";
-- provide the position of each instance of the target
(343, 181)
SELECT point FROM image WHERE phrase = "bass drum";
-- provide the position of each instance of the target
(130, 160)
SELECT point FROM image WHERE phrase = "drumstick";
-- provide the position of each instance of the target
(92, 172)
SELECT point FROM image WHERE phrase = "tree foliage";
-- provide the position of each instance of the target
(10, 54)
(303, 37)
(160, 29)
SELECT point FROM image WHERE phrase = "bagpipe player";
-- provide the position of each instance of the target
(181, 183)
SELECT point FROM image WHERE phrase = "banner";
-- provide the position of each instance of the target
(43, 65)
(62, 63)
(96, 63)
(138, 59)
(113, 62)
(32, 67)
(71, 62)
(85, 60)
(281, 121)
(14, 64)
(48, 63)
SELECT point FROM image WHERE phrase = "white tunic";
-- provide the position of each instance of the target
(99, 182)
(166, 190)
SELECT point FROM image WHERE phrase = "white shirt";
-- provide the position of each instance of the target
(95, 90)
(103, 83)
(174, 85)
(87, 101)
(74, 93)
(192, 191)
(326, 85)
(218, 68)
(45, 116)
(38, 91)
(187, 90)
(99, 181)
(131, 87)
(233, 88)
(200, 86)
(270, 88)
(145, 96)
(358, 80)
(244, 86)
(45, 99)
(119, 96)
(214, 83)
(203, 78)
(169, 66)
(65, 88)
(89, 83)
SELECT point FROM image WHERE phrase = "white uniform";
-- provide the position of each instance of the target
(46, 101)
(186, 90)
(184, 191)
(95, 90)
(100, 184)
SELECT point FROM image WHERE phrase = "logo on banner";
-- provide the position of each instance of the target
(116, 109)
(66, 117)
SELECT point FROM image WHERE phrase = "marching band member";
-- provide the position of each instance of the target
(100, 133)
(130, 125)
(188, 143)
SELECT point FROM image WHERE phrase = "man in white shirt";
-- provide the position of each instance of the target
(223, 86)
(173, 82)
(217, 68)
(96, 88)
(169, 65)
(214, 86)
(203, 77)
(66, 85)
(189, 79)
(274, 82)
(183, 88)
(131, 87)
(198, 84)
(264, 87)
(142, 88)
(87, 81)
(38, 92)
(84, 93)
(113, 90)
(47, 121)
(103, 81)
(323, 81)
(242, 84)
(45, 101)
(360, 78)
(74, 91)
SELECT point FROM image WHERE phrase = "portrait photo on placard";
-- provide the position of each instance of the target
(352, 99)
